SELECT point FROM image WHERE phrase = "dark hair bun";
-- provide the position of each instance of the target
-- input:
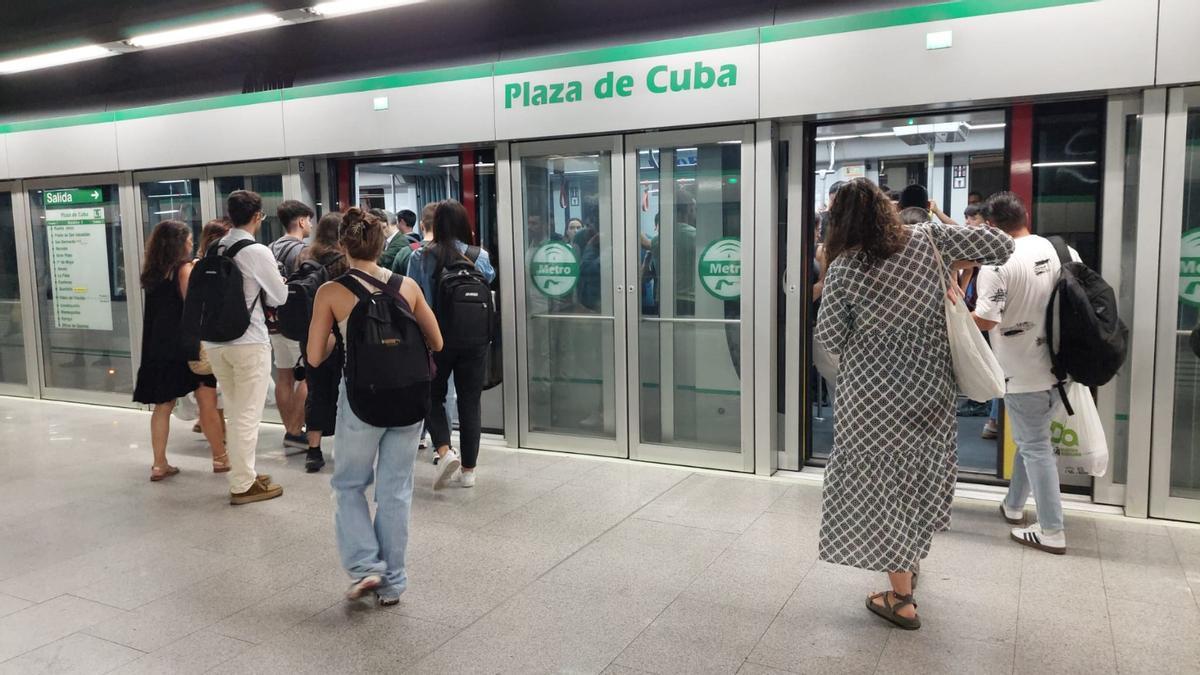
(361, 234)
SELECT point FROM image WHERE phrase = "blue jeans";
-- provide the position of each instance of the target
(1035, 467)
(363, 451)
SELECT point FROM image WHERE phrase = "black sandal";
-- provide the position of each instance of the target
(888, 610)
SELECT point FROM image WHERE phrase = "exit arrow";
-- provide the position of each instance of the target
(95, 194)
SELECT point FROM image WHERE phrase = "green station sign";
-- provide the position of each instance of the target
(73, 196)
(720, 268)
(554, 269)
(1189, 267)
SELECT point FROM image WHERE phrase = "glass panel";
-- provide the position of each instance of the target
(177, 199)
(1133, 154)
(1068, 172)
(689, 329)
(269, 187)
(959, 158)
(1185, 436)
(570, 320)
(81, 293)
(12, 336)
(401, 184)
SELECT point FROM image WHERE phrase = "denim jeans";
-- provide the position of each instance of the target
(1035, 467)
(365, 453)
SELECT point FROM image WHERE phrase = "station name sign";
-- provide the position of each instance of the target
(659, 79)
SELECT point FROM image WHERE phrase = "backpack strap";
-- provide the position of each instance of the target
(353, 286)
(473, 253)
(390, 289)
(237, 246)
(1056, 368)
(1061, 249)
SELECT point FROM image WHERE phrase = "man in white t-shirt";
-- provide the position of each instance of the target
(290, 393)
(1012, 307)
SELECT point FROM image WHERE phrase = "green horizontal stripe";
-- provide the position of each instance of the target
(954, 9)
(198, 105)
(736, 38)
(58, 122)
(390, 81)
(1122, 418)
(904, 16)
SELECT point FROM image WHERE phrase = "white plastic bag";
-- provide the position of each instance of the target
(186, 408)
(826, 362)
(1079, 439)
(976, 369)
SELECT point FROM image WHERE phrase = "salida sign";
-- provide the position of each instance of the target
(659, 79)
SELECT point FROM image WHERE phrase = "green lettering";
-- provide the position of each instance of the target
(681, 80)
(625, 85)
(539, 94)
(728, 76)
(511, 91)
(574, 91)
(556, 90)
(705, 76)
(652, 84)
(1189, 267)
(604, 86)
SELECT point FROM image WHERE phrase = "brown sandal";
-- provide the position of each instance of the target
(157, 474)
(888, 609)
(220, 463)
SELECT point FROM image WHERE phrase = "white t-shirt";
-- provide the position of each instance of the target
(260, 273)
(1015, 295)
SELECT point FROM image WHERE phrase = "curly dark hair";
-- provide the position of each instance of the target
(166, 250)
(863, 220)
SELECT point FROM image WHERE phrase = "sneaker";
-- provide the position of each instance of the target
(294, 444)
(260, 491)
(363, 586)
(388, 596)
(990, 430)
(466, 478)
(1033, 537)
(446, 469)
(314, 461)
(1012, 517)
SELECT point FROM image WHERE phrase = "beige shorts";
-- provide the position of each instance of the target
(287, 352)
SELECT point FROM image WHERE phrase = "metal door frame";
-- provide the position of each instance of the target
(796, 413)
(679, 455)
(130, 243)
(26, 290)
(619, 445)
(1162, 504)
(208, 209)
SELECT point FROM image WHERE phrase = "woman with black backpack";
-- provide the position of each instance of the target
(382, 321)
(455, 278)
(320, 406)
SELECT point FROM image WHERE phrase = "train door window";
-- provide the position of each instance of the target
(397, 185)
(1068, 172)
(269, 187)
(958, 158)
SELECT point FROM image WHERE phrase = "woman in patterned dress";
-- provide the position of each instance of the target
(891, 474)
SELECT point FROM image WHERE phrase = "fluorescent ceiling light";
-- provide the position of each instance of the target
(448, 166)
(51, 59)
(205, 31)
(996, 125)
(1049, 164)
(344, 7)
(839, 138)
(879, 134)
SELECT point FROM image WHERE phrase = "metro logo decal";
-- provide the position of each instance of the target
(659, 79)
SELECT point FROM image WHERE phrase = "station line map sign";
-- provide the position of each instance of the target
(78, 253)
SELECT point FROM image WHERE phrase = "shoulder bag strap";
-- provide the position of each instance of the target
(940, 265)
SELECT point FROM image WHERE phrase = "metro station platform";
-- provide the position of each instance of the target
(552, 563)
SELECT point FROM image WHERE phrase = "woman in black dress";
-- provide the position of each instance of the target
(163, 374)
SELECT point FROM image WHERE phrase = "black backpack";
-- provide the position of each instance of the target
(463, 302)
(216, 309)
(388, 368)
(1092, 339)
(294, 315)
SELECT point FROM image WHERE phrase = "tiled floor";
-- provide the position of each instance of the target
(552, 564)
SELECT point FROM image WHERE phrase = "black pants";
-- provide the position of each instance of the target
(467, 367)
(320, 408)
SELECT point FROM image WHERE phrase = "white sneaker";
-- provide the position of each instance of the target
(1010, 516)
(466, 478)
(446, 468)
(363, 586)
(1033, 537)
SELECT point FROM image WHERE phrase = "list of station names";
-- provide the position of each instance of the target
(79, 267)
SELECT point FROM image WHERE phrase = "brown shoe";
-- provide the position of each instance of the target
(260, 491)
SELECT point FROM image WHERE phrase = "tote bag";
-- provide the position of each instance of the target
(1079, 439)
(976, 370)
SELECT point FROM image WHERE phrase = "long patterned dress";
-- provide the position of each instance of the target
(891, 474)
